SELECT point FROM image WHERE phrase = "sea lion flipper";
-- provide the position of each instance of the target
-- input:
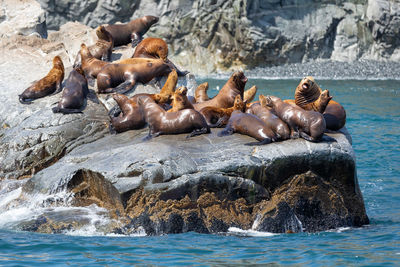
(124, 87)
(198, 132)
(93, 97)
(111, 128)
(115, 111)
(263, 142)
(227, 131)
(308, 137)
(25, 101)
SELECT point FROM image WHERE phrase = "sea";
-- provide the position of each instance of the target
(373, 120)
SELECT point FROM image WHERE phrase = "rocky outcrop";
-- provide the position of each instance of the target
(248, 33)
(170, 184)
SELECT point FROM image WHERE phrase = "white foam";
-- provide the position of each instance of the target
(241, 232)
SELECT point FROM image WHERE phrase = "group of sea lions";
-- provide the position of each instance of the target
(171, 111)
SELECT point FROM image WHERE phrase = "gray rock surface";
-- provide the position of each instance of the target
(205, 36)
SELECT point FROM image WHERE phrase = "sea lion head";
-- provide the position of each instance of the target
(150, 20)
(85, 53)
(239, 79)
(57, 62)
(182, 90)
(307, 91)
(80, 70)
(239, 104)
(103, 34)
(270, 100)
(249, 94)
(325, 97)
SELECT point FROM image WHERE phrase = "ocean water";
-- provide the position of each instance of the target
(373, 119)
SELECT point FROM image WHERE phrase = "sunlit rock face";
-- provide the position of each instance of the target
(206, 36)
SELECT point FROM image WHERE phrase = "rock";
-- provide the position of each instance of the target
(23, 17)
(209, 36)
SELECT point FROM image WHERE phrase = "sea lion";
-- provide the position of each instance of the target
(335, 116)
(124, 76)
(249, 94)
(226, 96)
(308, 96)
(152, 48)
(218, 117)
(162, 122)
(318, 105)
(102, 49)
(200, 94)
(309, 125)
(279, 127)
(74, 94)
(180, 100)
(91, 66)
(251, 125)
(49, 84)
(131, 32)
(131, 117)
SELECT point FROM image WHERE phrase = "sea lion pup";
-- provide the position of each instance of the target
(279, 127)
(251, 125)
(180, 100)
(101, 50)
(74, 94)
(122, 77)
(218, 117)
(309, 125)
(131, 32)
(49, 84)
(200, 94)
(226, 96)
(162, 122)
(249, 94)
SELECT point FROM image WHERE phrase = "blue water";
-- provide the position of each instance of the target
(373, 119)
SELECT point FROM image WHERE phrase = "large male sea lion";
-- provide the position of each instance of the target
(49, 84)
(162, 122)
(309, 125)
(74, 94)
(102, 49)
(251, 125)
(180, 100)
(226, 96)
(131, 32)
(218, 117)
(279, 127)
(308, 96)
(123, 77)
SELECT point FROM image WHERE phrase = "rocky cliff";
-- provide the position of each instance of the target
(214, 35)
(170, 184)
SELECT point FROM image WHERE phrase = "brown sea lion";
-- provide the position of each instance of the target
(152, 48)
(101, 50)
(226, 96)
(218, 117)
(279, 127)
(200, 94)
(249, 94)
(180, 100)
(90, 65)
(123, 77)
(131, 32)
(74, 95)
(251, 125)
(131, 117)
(49, 84)
(162, 122)
(318, 105)
(335, 116)
(309, 125)
(307, 92)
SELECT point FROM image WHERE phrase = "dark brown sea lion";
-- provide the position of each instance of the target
(123, 77)
(74, 95)
(180, 100)
(200, 94)
(279, 127)
(335, 116)
(131, 117)
(162, 122)
(49, 84)
(131, 32)
(251, 125)
(101, 50)
(226, 96)
(249, 94)
(218, 117)
(310, 125)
